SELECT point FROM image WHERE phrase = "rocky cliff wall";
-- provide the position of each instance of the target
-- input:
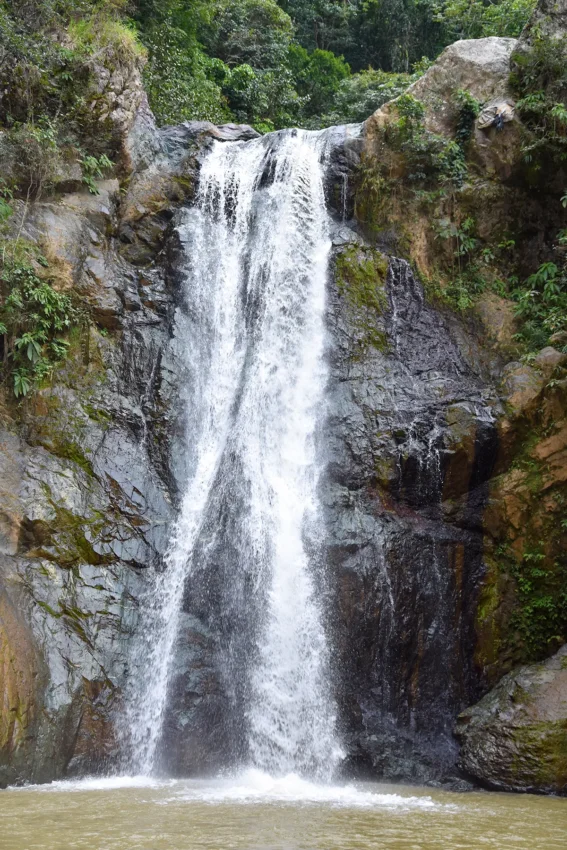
(446, 465)
(90, 466)
(494, 556)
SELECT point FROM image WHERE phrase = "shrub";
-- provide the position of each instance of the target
(317, 77)
(34, 318)
(542, 304)
(540, 82)
(104, 35)
(32, 157)
(177, 79)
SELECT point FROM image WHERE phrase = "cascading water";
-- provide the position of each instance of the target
(256, 264)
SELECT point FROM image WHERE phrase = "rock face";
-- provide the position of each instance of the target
(411, 440)
(515, 739)
(549, 19)
(480, 66)
(85, 504)
(88, 466)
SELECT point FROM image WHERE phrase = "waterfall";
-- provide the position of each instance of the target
(257, 248)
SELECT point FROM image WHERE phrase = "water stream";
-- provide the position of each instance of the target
(257, 248)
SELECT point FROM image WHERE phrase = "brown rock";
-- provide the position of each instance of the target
(498, 319)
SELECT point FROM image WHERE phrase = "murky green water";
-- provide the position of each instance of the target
(257, 813)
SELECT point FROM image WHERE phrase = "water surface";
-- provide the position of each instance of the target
(255, 812)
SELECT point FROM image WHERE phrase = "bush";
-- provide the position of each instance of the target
(477, 19)
(266, 99)
(178, 79)
(317, 76)
(32, 158)
(540, 82)
(33, 320)
(359, 95)
(102, 35)
(50, 53)
(252, 32)
(542, 303)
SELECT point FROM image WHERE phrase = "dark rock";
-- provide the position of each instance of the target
(410, 425)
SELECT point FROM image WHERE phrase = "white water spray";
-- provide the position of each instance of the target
(256, 271)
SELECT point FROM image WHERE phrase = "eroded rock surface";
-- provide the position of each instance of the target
(411, 444)
(90, 467)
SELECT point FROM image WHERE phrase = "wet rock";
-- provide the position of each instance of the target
(87, 490)
(404, 447)
(515, 738)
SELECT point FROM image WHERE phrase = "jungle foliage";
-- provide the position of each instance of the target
(301, 62)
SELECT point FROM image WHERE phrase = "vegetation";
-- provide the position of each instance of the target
(361, 278)
(303, 62)
(34, 319)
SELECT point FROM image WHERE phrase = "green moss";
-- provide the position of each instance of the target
(48, 608)
(488, 620)
(545, 745)
(64, 541)
(72, 544)
(361, 276)
(361, 279)
(70, 450)
(97, 414)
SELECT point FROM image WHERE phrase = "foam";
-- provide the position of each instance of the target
(256, 787)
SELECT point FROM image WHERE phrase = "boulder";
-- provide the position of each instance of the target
(515, 738)
(480, 66)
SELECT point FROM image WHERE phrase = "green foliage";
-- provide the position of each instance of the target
(429, 158)
(468, 109)
(265, 98)
(52, 54)
(323, 24)
(34, 319)
(195, 48)
(540, 82)
(244, 76)
(541, 617)
(179, 78)
(252, 32)
(394, 34)
(542, 304)
(93, 168)
(105, 34)
(361, 278)
(32, 157)
(478, 19)
(317, 77)
(357, 96)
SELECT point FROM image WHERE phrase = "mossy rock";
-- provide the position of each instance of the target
(515, 738)
(360, 275)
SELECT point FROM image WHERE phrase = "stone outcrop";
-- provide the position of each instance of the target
(518, 511)
(89, 465)
(412, 438)
(515, 739)
(479, 66)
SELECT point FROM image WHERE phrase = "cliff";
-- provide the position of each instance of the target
(447, 468)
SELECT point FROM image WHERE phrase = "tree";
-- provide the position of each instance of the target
(253, 32)
(317, 77)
